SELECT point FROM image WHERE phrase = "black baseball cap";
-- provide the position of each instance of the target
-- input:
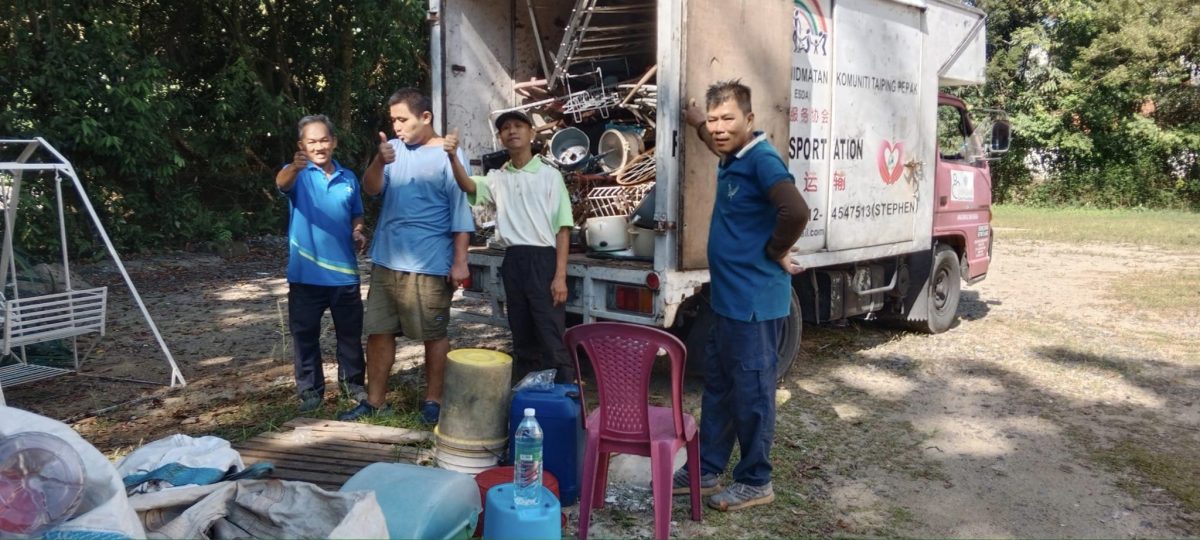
(519, 115)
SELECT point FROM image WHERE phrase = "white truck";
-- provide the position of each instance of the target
(894, 170)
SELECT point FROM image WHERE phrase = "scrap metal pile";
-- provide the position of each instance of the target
(600, 135)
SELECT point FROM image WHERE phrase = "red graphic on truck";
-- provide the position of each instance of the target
(891, 161)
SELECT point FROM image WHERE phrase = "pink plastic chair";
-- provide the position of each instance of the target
(622, 355)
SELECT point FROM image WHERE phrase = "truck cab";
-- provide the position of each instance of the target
(963, 192)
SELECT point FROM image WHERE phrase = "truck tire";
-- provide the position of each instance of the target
(943, 291)
(701, 327)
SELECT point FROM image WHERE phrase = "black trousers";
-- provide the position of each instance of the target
(537, 325)
(306, 305)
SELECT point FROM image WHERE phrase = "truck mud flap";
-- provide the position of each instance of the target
(915, 303)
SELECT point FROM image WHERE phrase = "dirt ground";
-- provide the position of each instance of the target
(1055, 408)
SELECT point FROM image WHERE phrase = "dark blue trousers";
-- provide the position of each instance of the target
(739, 398)
(306, 305)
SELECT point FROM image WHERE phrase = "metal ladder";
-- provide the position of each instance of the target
(599, 29)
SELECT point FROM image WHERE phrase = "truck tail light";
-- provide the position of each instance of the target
(652, 281)
(635, 299)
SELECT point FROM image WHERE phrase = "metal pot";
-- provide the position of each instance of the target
(569, 147)
(607, 233)
(618, 147)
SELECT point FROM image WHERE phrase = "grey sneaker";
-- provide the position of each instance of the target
(738, 496)
(681, 484)
(310, 401)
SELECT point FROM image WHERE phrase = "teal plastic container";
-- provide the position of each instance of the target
(507, 522)
(560, 414)
(421, 502)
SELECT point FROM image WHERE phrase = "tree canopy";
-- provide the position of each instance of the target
(1104, 96)
(177, 114)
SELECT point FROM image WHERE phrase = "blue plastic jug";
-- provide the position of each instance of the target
(421, 502)
(560, 414)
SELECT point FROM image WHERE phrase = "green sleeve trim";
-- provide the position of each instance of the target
(563, 217)
(483, 191)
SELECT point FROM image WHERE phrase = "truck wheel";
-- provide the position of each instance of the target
(697, 334)
(944, 282)
(789, 344)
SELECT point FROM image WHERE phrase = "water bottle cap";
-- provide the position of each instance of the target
(529, 411)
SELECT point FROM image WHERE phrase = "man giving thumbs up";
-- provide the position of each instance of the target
(419, 251)
(324, 232)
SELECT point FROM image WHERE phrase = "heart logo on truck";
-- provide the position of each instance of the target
(891, 161)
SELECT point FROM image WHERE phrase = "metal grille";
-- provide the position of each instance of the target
(639, 169)
(27, 373)
(616, 200)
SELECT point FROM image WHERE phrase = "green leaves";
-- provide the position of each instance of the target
(178, 114)
(1105, 92)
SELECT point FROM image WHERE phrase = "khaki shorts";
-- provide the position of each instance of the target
(406, 303)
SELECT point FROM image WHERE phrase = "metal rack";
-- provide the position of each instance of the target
(616, 200)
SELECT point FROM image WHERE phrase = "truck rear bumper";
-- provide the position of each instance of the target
(608, 289)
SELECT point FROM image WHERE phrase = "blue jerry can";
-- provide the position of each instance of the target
(560, 414)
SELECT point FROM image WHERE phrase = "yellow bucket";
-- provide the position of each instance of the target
(476, 396)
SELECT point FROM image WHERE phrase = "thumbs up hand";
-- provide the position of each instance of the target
(450, 142)
(299, 160)
(386, 152)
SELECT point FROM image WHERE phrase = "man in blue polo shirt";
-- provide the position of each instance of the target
(756, 204)
(325, 230)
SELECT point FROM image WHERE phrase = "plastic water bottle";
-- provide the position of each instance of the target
(527, 472)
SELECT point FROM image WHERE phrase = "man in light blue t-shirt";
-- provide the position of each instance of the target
(419, 251)
(324, 231)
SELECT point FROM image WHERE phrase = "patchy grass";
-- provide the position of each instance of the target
(1177, 471)
(1161, 228)
(268, 412)
(1168, 294)
(816, 450)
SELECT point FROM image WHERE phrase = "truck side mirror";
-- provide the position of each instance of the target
(1001, 135)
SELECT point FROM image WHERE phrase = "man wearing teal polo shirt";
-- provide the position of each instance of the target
(324, 231)
(756, 205)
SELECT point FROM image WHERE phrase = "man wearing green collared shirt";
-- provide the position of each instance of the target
(533, 224)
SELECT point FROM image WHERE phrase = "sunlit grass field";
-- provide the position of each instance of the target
(1161, 228)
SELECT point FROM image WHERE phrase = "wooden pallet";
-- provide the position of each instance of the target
(328, 452)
